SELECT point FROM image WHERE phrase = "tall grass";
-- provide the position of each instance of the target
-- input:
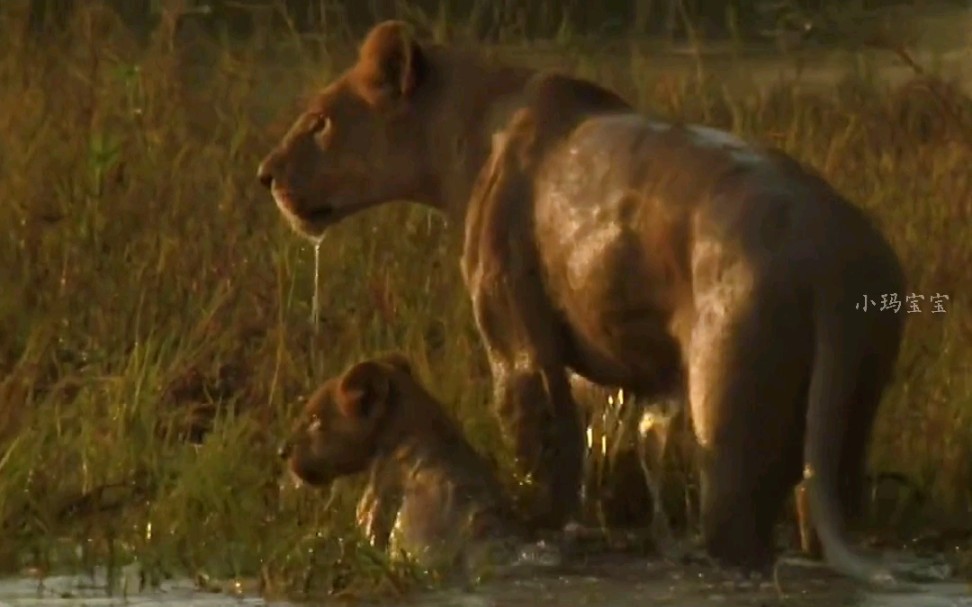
(155, 329)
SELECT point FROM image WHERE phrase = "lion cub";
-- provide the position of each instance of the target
(430, 494)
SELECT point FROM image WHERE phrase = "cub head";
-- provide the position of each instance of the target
(341, 429)
(359, 142)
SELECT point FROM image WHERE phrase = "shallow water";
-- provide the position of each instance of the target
(75, 591)
(610, 581)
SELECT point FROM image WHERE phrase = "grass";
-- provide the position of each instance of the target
(149, 292)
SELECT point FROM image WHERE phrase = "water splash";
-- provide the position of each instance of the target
(539, 554)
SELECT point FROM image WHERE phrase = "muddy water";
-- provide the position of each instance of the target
(88, 591)
(609, 581)
(618, 582)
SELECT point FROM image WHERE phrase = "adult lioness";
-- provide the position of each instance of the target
(429, 495)
(639, 254)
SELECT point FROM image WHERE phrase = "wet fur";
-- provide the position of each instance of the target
(655, 257)
(429, 493)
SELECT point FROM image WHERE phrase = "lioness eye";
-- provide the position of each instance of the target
(322, 124)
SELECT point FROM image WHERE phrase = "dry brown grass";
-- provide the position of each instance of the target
(150, 293)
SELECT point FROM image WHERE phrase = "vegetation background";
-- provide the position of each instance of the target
(155, 330)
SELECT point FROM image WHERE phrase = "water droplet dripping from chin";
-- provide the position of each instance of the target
(316, 300)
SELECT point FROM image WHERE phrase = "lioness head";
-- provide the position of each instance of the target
(358, 143)
(344, 422)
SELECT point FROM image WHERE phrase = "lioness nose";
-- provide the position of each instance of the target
(264, 175)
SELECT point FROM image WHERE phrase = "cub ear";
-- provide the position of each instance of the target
(363, 390)
(390, 61)
(398, 361)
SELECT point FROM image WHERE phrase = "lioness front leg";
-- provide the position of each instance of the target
(520, 329)
(540, 420)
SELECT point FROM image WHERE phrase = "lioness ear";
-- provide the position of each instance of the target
(390, 61)
(363, 390)
(398, 361)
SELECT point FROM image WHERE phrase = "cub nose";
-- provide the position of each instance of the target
(264, 175)
(283, 451)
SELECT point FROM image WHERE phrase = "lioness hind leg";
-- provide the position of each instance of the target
(741, 500)
(747, 393)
